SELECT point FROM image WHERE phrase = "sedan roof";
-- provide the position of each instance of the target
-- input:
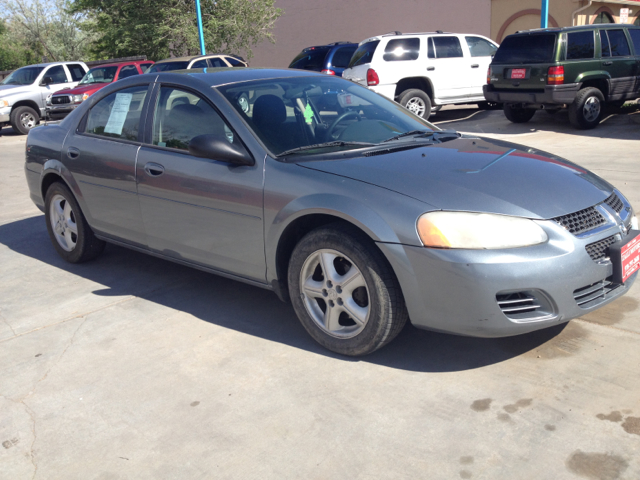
(222, 76)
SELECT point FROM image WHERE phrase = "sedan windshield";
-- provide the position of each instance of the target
(168, 66)
(327, 113)
(99, 75)
(23, 76)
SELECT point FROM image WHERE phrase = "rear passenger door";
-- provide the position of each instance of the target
(616, 59)
(199, 210)
(101, 154)
(448, 68)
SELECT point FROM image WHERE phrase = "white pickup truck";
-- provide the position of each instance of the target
(23, 94)
(424, 70)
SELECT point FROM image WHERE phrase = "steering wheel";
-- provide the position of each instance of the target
(335, 123)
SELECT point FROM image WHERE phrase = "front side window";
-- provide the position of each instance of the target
(402, 49)
(447, 47)
(618, 43)
(77, 72)
(289, 113)
(479, 47)
(57, 73)
(127, 71)
(23, 76)
(580, 45)
(181, 116)
(118, 115)
(363, 54)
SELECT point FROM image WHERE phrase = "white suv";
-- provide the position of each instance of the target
(424, 70)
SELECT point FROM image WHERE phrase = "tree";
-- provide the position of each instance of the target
(163, 28)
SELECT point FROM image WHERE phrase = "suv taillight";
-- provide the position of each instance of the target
(555, 76)
(328, 72)
(489, 76)
(372, 77)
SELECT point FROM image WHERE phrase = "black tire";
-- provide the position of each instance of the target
(384, 303)
(18, 119)
(586, 110)
(416, 101)
(517, 114)
(87, 246)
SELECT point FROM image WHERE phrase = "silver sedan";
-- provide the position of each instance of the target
(358, 212)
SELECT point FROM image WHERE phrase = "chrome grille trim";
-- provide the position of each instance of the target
(599, 250)
(614, 202)
(595, 293)
(581, 221)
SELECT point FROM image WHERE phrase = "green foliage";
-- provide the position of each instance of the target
(162, 28)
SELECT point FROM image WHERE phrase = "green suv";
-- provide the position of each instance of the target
(581, 68)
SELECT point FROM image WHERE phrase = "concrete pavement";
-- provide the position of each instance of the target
(134, 367)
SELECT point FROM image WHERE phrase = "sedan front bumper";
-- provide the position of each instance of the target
(476, 292)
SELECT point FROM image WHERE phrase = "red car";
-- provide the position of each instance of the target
(63, 102)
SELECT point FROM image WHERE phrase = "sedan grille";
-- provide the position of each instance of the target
(598, 250)
(614, 202)
(594, 294)
(582, 221)
(520, 302)
(61, 100)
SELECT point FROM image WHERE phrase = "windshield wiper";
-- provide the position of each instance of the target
(407, 134)
(337, 143)
(451, 134)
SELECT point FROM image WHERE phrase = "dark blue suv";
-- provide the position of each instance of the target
(331, 59)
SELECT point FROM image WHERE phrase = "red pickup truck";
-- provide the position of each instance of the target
(63, 102)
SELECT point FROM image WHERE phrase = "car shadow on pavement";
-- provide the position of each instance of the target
(252, 310)
(617, 123)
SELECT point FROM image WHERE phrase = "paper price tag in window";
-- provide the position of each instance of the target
(118, 113)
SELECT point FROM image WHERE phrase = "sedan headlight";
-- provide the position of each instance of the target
(478, 231)
(4, 103)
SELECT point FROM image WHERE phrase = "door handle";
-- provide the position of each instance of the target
(606, 64)
(431, 69)
(73, 153)
(475, 65)
(154, 169)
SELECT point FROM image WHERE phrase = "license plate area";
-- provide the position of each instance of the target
(518, 74)
(625, 256)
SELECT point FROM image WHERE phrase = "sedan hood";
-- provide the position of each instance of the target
(478, 175)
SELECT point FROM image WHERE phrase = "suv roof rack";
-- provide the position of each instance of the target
(391, 33)
(338, 43)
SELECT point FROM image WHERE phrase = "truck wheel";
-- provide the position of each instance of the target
(586, 109)
(23, 119)
(417, 102)
(518, 114)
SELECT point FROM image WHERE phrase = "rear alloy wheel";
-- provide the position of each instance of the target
(23, 119)
(417, 102)
(586, 110)
(516, 114)
(70, 234)
(344, 291)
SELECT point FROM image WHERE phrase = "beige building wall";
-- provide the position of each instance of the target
(315, 22)
(509, 16)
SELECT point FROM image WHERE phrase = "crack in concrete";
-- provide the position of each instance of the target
(8, 324)
(33, 430)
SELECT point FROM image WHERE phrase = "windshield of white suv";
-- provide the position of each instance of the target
(537, 48)
(23, 76)
(99, 75)
(363, 54)
(324, 112)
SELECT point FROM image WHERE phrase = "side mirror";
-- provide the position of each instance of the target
(46, 81)
(216, 148)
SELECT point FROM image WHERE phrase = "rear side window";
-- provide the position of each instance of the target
(76, 71)
(635, 38)
(447, 47)
(364, 54)
(479, 47)
(234, 62)
(310, 59)
(342, 56)
(127, 71)
(580, 45)
(118, 115)
(618, 43)
(200, 64)
(402, 49)
(217, 62)
(536, 48)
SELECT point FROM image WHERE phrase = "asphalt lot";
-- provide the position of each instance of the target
(134, 367)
